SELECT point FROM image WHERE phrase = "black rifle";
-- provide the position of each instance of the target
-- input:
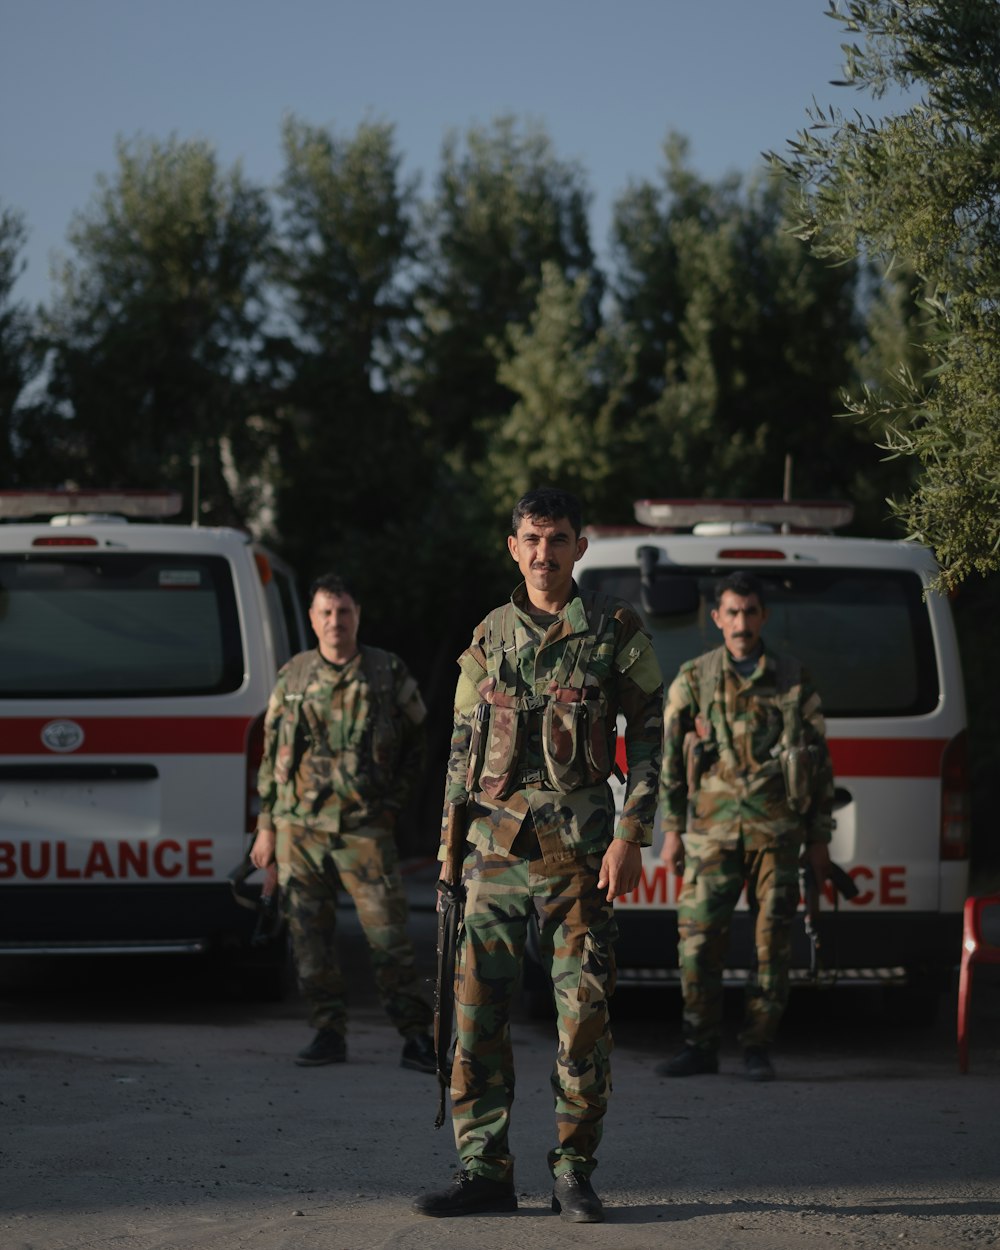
(843, 887)
(265, 904)
(450, 906)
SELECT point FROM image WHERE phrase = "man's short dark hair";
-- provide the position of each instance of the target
(331, 584)
(740, 583)
(546, 503)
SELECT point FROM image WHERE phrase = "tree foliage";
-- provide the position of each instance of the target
(156, 323)
(503, 205)
(742, 339)
(918, 189)
(18, 345)
(349, 464)
(566, 379)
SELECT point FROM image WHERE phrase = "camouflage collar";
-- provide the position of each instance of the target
(335, 670)
(766, 664)
(574, 613)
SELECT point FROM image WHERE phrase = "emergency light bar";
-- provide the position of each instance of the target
(806, 514)
(133, 503)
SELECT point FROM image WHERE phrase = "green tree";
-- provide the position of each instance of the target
(918, 188)
(350, 457)
(742, 339)
(155, 325)
(567, 377)
(504, 204)
(19, 357)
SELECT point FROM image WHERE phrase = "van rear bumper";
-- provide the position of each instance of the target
(125, 919)
(878, 948)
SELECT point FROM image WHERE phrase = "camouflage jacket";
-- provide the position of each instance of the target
(343, 747)
(620, 675)
(738, 788)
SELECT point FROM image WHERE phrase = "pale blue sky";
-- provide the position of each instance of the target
(607, 78)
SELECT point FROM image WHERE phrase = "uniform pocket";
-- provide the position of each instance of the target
(598, 970)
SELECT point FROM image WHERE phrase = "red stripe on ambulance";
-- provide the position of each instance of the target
(887, 757)
(871, 757)
(130, 735)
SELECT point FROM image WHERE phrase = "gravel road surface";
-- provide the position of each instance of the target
(144, 1107)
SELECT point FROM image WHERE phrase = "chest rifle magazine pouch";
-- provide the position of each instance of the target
(797, 770)
(599, 750)
(574, 741)
(563, 728)
(498, 775)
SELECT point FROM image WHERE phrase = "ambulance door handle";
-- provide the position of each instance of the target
(78, 772)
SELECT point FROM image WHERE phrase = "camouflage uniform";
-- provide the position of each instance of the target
(343, 748)
(740, 827)
(539, 826)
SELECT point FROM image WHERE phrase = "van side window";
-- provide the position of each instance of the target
(863, 634)
(102, 624)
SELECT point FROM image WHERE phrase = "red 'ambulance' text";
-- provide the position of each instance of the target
(884, 886)
(115, 861)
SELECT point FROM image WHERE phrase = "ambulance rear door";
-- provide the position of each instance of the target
(134, 665)
(883, 654)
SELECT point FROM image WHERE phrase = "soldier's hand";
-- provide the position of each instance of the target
(672, 851)
(621, 868)
(262, 851)
(444, 879)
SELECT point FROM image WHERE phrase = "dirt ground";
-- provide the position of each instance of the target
(145, 1108)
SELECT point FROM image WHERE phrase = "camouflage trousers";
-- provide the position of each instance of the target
(577, 930)
(311, 867)
(714, 876)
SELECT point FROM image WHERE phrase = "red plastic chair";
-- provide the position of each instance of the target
(976, 949)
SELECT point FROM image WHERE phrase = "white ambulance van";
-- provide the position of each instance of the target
(136, 660)
(883, 654)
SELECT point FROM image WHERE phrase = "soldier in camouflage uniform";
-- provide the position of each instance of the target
(343, 748)
(744, 753)
(538, 696)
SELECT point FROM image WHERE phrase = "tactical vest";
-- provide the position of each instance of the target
(794, 757)
(574, 732)
(303, 732)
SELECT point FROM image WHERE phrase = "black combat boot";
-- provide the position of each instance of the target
(757, 1064)
(574, 1198)
(418, 1054)
(328, 1046)
(690, 1061)
(468, 1194)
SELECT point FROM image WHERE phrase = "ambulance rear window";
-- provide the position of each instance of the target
(863, 634)
(107, 625)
